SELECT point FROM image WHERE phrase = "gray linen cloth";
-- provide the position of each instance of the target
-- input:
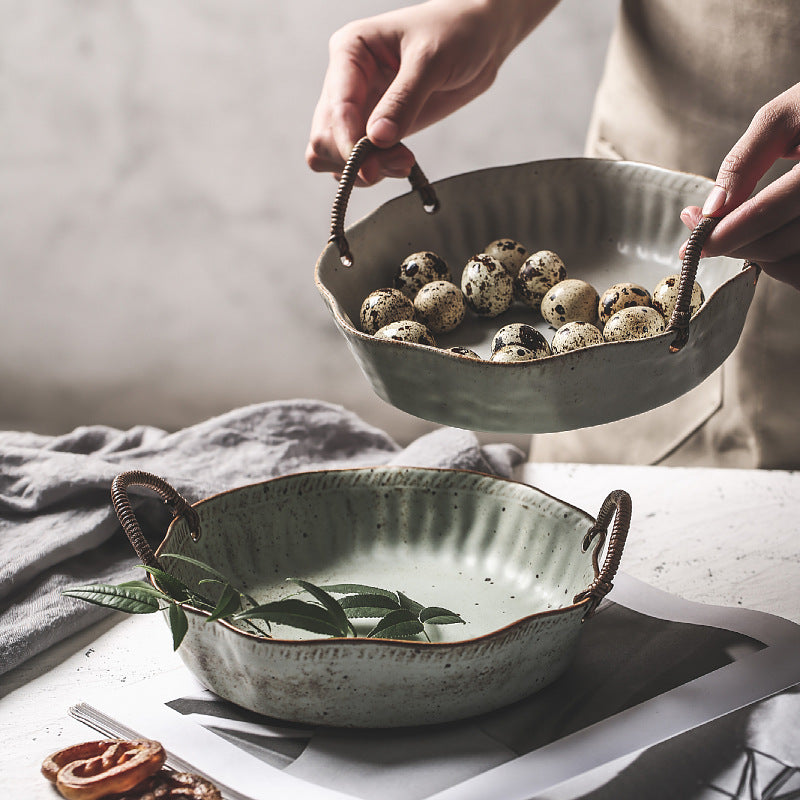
(58, 528)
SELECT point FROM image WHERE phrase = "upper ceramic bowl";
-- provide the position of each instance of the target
(610, 221)
(518, 565)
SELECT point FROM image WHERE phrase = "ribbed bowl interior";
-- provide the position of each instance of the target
(493, 551)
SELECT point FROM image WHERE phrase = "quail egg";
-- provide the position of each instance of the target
(621, 295)
(539, 273)
(571, 300)
(514, 352)
(406, 330)
(440, 305)
(523, 335)
(419, 269)
(511, 254)
(384, 306)
(665, 295)
(464, 351)
(574, 336)
(636, 322)
(487, 287)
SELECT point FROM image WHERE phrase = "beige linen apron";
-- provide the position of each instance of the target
(682, 81)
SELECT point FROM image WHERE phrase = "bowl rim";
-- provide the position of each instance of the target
(363, 641)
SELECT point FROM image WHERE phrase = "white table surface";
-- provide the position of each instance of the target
(727, 537)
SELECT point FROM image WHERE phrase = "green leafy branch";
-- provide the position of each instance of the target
(397, 615)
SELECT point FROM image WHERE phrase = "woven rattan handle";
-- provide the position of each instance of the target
(122, 505)
(617, 506)
(682, 313)
(362, 148)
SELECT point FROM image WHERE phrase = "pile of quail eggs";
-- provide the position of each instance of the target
(425, 301)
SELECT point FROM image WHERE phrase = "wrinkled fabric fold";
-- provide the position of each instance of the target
(58, 527)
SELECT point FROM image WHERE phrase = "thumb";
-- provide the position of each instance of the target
(396, 111)
(767, 139)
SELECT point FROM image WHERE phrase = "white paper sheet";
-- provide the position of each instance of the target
(459, 761)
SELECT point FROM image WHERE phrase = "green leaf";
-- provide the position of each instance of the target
(334, 609)
(250, 599)
(250, 626)
(200, 602)
(408, 603)
(434, 615)
(297, 613)
(175, 588)
(146, 587)
(199, 564)
(398, 624)
(358, 606)
(228, 604)
(356, 588)
(179, 624)
(129, 599)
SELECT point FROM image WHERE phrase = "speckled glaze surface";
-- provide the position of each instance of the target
(610, 221)
(505, 556)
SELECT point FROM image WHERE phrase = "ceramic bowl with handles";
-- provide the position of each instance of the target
(610, 222)
(522, 569)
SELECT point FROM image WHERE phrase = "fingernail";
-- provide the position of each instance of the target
(686, 217)
(383, 131)
(714, 202)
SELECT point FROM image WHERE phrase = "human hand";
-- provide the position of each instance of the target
(391, 75)
(764, 228)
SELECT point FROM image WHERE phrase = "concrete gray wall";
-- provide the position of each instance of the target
(158, 225)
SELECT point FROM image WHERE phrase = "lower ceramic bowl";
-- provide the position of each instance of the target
(519, 566)
(610, 222)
